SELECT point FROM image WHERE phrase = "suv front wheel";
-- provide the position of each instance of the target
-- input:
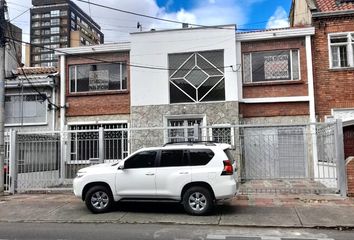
(197, 201)
(99, 199)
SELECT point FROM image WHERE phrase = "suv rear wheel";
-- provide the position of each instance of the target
(197, 201)
(98, 199)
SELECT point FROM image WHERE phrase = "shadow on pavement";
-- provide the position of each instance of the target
(168, 208)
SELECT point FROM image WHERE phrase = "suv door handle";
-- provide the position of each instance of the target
(149, 174)
(184, 173)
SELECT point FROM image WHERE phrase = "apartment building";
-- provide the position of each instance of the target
(59, 24)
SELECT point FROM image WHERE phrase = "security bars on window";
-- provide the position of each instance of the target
(280, 65)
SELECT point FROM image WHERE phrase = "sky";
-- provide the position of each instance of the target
(116, 26)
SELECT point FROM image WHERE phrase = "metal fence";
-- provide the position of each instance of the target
(263, 152)
(6, 163)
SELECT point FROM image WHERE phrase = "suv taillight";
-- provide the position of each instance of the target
(228, 169)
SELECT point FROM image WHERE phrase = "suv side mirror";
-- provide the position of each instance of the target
(121, 166)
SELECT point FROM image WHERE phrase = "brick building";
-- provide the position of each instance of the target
(277, 80)
(276, 88)
(333, 59)
(95, 83)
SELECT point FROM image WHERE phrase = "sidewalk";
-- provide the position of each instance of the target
(247, 211)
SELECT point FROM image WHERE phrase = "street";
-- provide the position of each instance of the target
(68, 231)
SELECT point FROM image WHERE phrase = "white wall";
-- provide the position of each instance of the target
(151, 86)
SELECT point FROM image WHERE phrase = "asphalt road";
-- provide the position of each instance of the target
(57, 231)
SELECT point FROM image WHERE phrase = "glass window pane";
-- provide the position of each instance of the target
(72, 78)
(98, 77)
(295, 66)
(335, 56)
(178, 96)
(173, 158)
(217, 94)
(339, 39)
(141, 160)
(343, 56)
(200, 156)
(190, 74)
(82, 78)
(124, 77)
(271, 66)
(26, 109)
(207, 86)
(247, 78)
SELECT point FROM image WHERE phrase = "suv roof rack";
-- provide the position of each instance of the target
(206, 143)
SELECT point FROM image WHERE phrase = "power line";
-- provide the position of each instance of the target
(89, 5)
(12, 3)
(104, 61)
(151, 17)
(19, 15)
(17, 58)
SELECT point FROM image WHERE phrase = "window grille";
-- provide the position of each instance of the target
(197, 77)
(265, 66)
(180, 134)
(84, 145)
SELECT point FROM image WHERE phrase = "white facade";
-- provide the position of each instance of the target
(151, 86)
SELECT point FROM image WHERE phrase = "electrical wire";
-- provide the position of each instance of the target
(17, 58)
(151, 17)
(19, 15)
(105, 61)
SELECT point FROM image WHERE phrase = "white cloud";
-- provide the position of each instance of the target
(279, 19)
(116, 26)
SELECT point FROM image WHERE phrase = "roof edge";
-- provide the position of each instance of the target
(189, 29)
(275, 34)
(332, 14)
(101, 48)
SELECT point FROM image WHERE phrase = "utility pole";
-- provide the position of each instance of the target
(3, 25)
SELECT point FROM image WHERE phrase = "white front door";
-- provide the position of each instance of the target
(137, 178)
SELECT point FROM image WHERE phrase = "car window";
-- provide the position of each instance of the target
(200, 156)
(144, 159)
(173, 158)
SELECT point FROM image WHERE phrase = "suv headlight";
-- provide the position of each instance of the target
(80, 174)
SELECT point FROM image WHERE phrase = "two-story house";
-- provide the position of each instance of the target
(31, 98)
(254, 90)
(94, 86)
(186, 76)
(333, 61)
(276, 88)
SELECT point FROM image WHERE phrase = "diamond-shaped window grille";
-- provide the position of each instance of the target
(195, 69)
(196, 76)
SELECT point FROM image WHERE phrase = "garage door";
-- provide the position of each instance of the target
(274, 153)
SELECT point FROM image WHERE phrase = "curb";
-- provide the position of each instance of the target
(334, 227)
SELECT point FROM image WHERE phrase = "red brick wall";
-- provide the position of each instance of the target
(333, 88)
(350, 177)
(348, 133)
(102, 103)
(281, 88)
(274, 109)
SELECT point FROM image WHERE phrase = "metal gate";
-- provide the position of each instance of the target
(311, 153)
(274, 153)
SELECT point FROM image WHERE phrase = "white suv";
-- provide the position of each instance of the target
(195, 174)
